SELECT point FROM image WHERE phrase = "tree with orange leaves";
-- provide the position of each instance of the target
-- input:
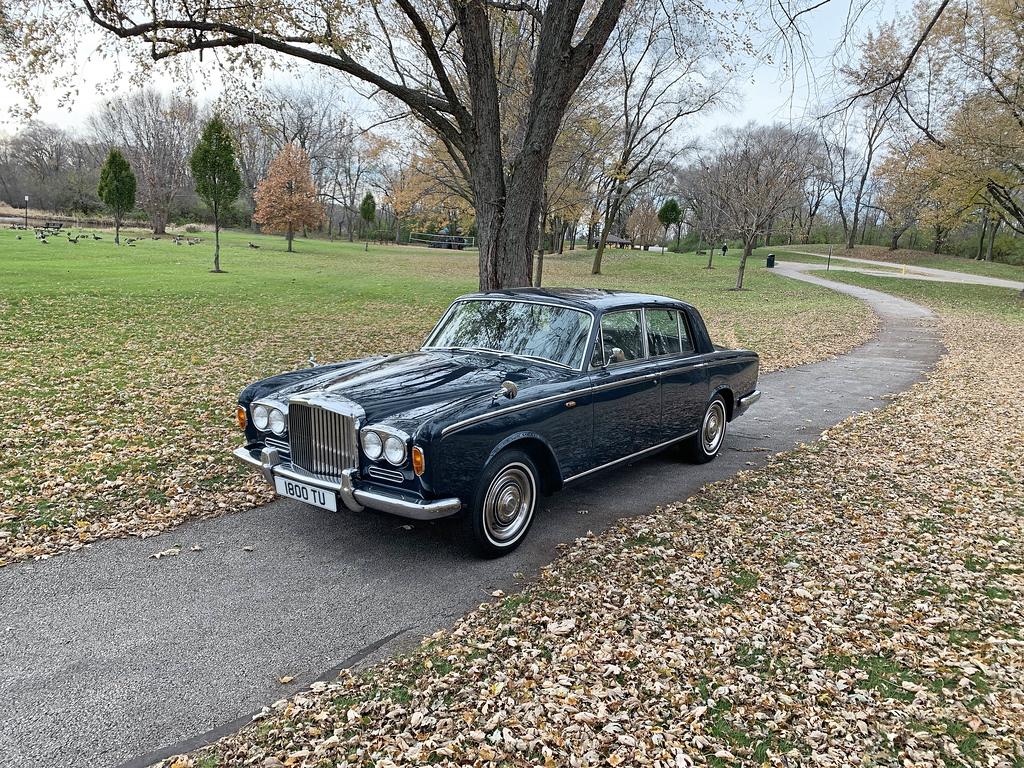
(287, 199)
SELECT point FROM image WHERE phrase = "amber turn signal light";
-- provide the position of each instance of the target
(417, 460)
(241, 418)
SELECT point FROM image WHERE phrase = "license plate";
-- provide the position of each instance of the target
(310, 494)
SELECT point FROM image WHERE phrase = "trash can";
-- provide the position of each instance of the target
(771, 260)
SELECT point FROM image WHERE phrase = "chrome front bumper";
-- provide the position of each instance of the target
(346, 489)
(745, 402)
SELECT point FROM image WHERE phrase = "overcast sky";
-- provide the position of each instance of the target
(765, 93)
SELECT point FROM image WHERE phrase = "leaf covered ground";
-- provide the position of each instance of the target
(858, 601)
(121, 366)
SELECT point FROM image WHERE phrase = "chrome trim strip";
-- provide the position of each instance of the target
(653, 448)
(683, 369)
(624, 382)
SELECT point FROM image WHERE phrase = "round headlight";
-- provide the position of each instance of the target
(394, 450)
(277, 425)
(372, 445)
(260, 417)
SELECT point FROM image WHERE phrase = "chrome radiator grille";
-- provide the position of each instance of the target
(322, 442)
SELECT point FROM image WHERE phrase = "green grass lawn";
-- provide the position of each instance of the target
(120, 365)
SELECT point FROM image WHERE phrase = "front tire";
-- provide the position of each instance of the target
(506, 499)
(705, 445)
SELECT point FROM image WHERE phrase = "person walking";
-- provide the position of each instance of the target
(724, 249)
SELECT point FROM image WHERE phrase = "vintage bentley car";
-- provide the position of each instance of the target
(515, 394)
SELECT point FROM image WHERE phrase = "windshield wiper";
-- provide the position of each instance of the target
(539, 359)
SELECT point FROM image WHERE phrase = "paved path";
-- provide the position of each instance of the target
(916, 273)
(109, 657)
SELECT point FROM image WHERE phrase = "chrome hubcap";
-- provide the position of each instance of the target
(508, 505)
(714, 427)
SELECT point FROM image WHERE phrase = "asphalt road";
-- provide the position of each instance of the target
(111, 658)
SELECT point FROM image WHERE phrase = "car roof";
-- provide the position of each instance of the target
(593, 299)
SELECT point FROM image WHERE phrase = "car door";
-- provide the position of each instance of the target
(684, 378)
(627, 397)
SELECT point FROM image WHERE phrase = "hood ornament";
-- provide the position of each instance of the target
(312, 360)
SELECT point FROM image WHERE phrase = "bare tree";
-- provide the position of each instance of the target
(756, 172)
(156, 132)
(659, 78)
(702, 211)
(58, 170)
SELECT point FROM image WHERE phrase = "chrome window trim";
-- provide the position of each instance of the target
(426, 346)
(630, 456)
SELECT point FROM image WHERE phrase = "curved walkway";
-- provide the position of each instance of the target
(914, 272)
(110, 657)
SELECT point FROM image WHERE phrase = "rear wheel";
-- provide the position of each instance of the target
(506, 499)
(705, 445)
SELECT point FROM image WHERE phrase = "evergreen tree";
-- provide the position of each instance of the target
(117, 189)
(670, 214)
(216, 175)
(368, 212)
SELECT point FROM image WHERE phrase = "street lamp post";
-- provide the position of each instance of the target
(26, 212)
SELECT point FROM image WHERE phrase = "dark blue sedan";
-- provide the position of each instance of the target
(514, 395)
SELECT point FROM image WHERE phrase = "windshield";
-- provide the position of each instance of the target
(554, 334)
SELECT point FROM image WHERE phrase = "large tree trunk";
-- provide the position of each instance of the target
(508, 207)
(992, 239)
(981, 240)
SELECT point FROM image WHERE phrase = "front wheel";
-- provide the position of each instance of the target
(506, 499)
(705, 445)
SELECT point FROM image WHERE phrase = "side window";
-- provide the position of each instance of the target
(663, 332)
(684, 335)
(621, 330)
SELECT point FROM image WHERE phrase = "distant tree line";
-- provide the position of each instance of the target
(926, 161)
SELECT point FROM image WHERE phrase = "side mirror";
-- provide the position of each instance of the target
(508, 390)
(618, 355)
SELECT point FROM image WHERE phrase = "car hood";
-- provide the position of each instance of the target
(419, 386)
